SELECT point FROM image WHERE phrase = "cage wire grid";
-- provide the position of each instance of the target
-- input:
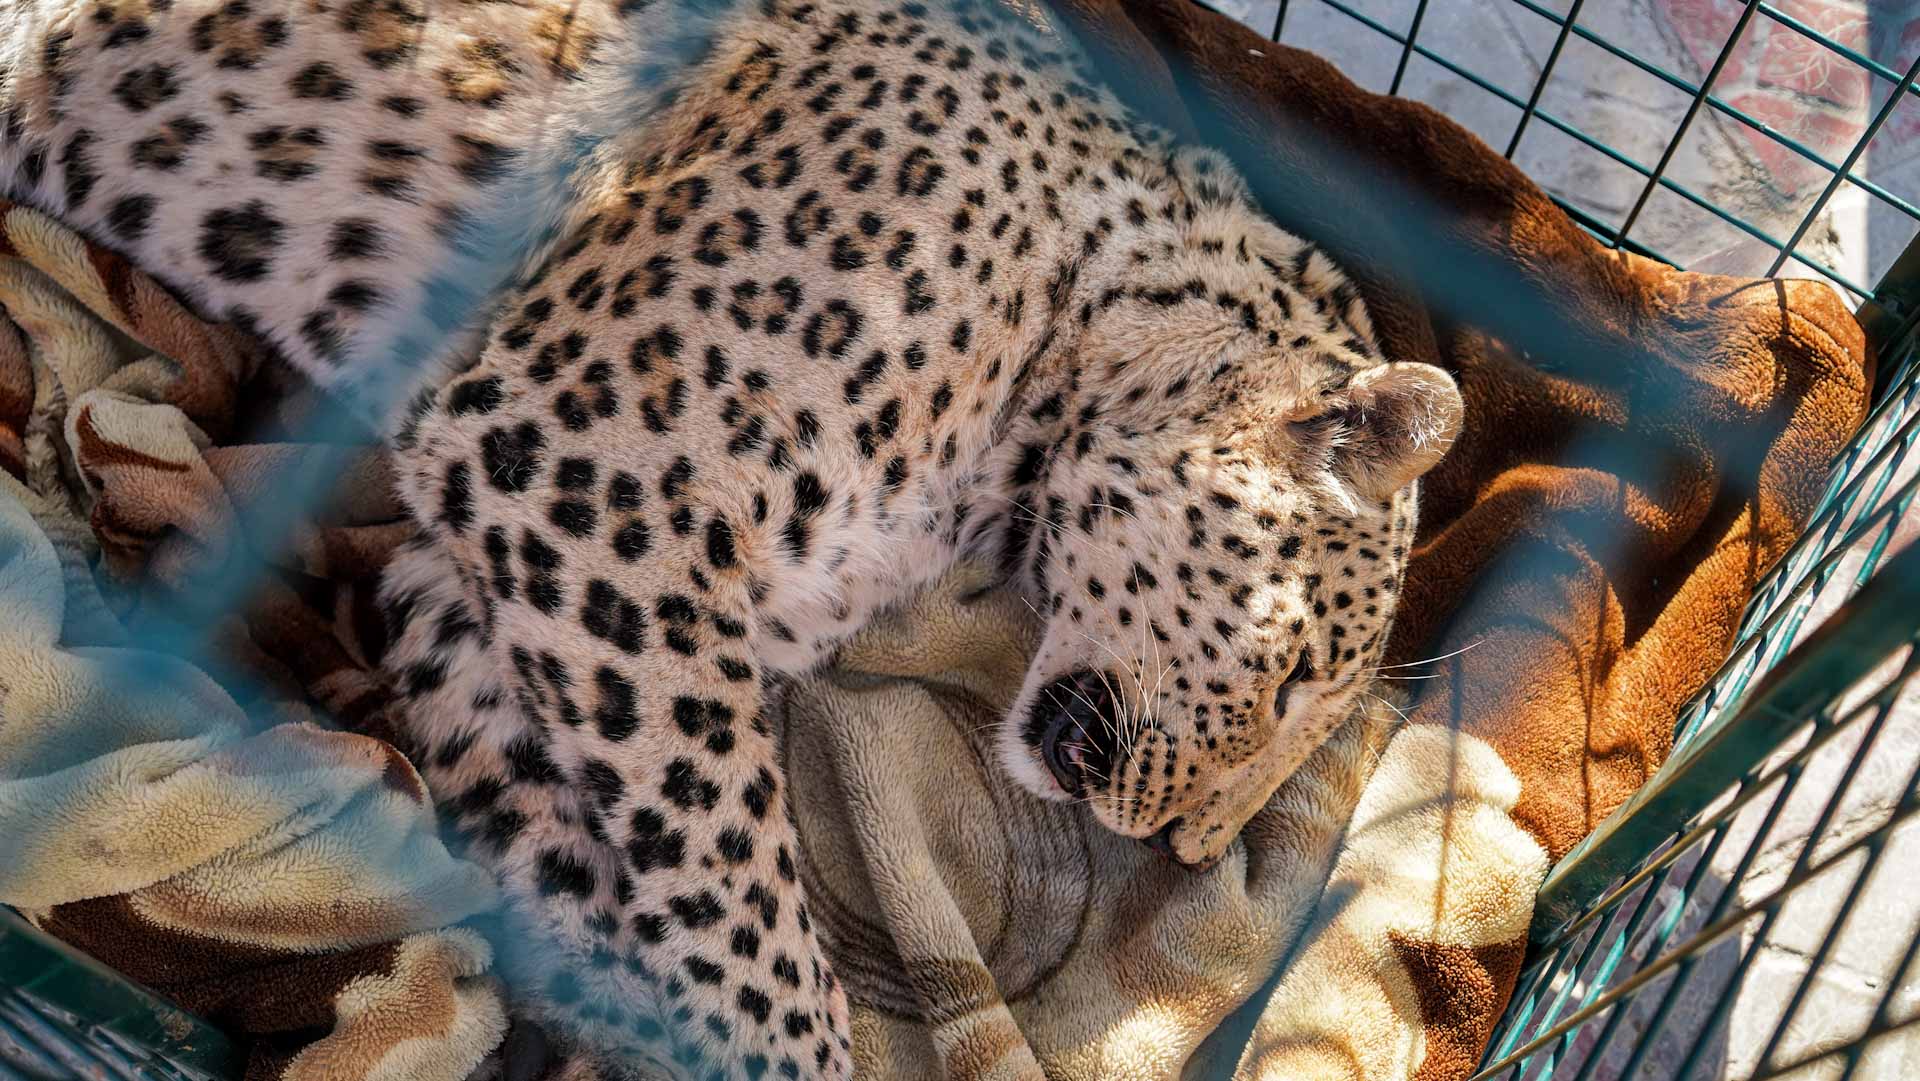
(1898, 86)
(1646, 935)
(1631, 929)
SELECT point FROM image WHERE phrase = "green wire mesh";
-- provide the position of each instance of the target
(1898, 87)
(64, 1015)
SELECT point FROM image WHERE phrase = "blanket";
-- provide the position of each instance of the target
(208, 838)
(1640, 444)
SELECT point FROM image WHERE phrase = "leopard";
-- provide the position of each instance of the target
(705, 330)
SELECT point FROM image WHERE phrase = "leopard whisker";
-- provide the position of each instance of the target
(1429, 660)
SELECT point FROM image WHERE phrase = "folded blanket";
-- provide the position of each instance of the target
(285, 880)
(984, 933)
(1587, 590)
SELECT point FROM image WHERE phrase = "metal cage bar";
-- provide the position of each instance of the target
(1570, 25)
(1904, 810)
(1722, 751)
(1855, 517)
(1693, 109)
(1846, 167)
(1866, 62)
(1720, 105)
(1546, 72)
(1613, 922)
(66, 1014)
(1406, 52)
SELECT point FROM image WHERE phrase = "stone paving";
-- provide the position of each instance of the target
(1725, 1017)
(1776, 75)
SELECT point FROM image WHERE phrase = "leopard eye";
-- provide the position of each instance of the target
(1302, 671)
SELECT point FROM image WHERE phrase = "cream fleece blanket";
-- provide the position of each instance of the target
(984, 934)
(263, 870)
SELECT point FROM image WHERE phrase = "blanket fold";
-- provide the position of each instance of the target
(285, 880)
(984, 933)
(1640, 445)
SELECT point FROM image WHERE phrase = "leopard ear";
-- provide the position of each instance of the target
(1385, 428)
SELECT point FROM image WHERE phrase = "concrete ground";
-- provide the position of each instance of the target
(1803, 90)
(1826, 101)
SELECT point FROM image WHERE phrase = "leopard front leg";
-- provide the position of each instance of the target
(605, 662)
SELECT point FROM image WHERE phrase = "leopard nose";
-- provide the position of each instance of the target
(1073, 728)
(1162, 844)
